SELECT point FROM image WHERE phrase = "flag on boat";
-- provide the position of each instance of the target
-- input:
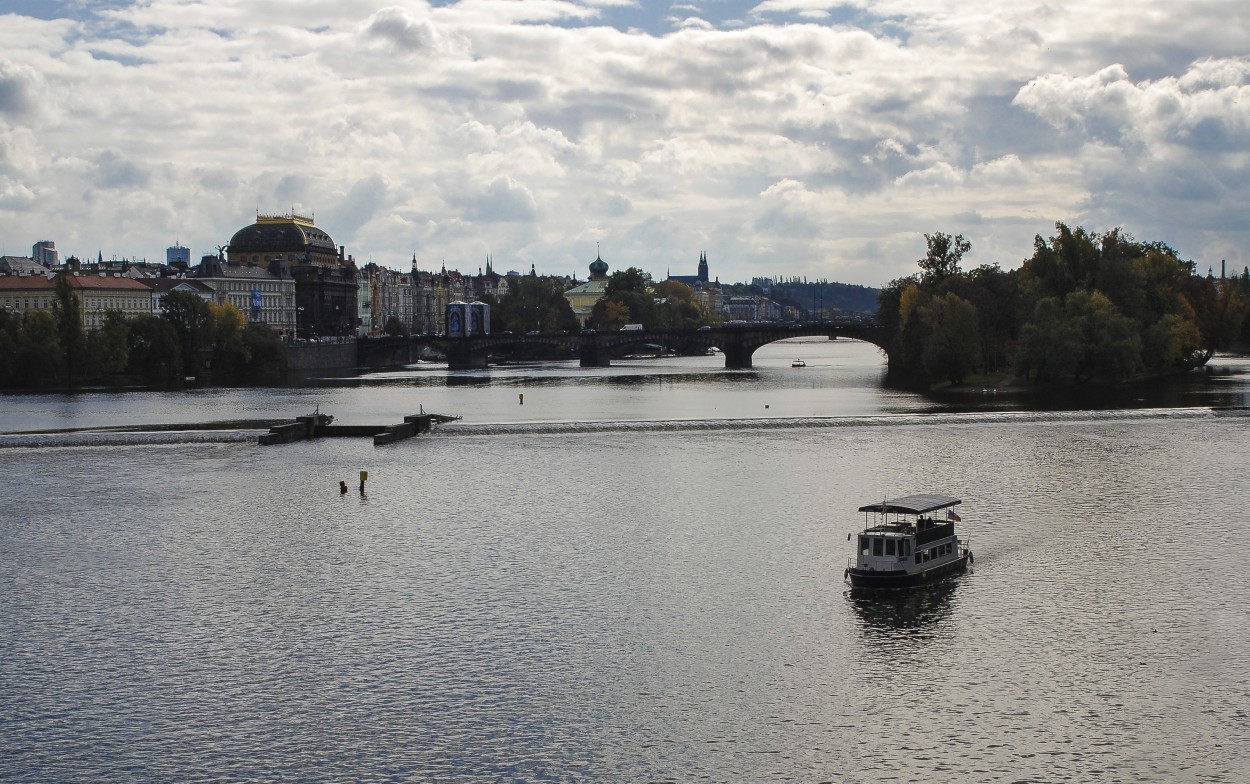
(950, 515)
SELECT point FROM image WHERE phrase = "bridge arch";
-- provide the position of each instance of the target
(596, 349)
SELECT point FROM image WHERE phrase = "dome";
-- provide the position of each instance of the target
(598, 268)
(281, 234)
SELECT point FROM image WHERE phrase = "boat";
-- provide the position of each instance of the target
(798, 363)
(905, 543)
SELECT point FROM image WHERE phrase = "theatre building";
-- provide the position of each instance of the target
(291, 246)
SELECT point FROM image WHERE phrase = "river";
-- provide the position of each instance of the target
(623, 575)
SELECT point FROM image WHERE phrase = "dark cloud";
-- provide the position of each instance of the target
(397, 27)
(114, 171)
(19, 91)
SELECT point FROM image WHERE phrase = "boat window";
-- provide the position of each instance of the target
(876, 545)
(889, 547)
(863, 545)
(904, 547)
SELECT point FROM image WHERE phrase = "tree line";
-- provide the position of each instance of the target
(1084, 308)
(190, 340)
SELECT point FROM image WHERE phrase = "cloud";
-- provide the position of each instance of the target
(408, 32)
(804, 137)
(503, 199)
(113, 170)
(20, 88)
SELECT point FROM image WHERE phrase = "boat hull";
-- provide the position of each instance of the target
(871, 579)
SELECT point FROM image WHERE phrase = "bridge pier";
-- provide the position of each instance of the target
(737, 356)
(593, 356)
(461, 357)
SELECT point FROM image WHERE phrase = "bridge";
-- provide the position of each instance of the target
(738, 343)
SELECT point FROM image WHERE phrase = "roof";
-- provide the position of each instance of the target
(21, 264)
(77, 281)
(282, 236)
(163, 285)
(912, 504)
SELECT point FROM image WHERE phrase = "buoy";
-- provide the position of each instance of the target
(342, 487)
(363, 476)
(970, 557)
(521, 398)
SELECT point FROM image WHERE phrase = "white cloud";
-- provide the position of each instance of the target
(787, 137)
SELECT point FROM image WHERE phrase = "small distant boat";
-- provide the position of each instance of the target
(903, 545)
(798, 363)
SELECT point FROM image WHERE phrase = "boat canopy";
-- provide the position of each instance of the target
(912, 504)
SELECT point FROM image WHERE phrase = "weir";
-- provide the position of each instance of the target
(318, 425)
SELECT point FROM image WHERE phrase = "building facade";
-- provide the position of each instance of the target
(97, 294)
(582, 298)
(263, 295)
(326, 280)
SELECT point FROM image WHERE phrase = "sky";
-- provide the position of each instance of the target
(783, 138)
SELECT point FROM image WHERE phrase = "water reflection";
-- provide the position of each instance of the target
(880, 613)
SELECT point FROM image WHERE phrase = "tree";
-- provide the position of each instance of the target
(155, 354)
(609, 314)
(224, 336)
(534, 303)
(67, 310)
(190, 317)
(951, 341)
(632, 289)
(1081, 338)
(38, 355)
(266, 356)
(109, 346)
(942, 257)
(1050, 345)
(394, 327)
(10, 334)
(678, 307)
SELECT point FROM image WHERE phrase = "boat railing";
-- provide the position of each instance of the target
(941, 531)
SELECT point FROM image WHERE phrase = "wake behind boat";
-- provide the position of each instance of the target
(903, 545)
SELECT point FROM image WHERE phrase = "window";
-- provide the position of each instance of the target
(889, 547)
(863, 545)
(904, 547)
(876, 545)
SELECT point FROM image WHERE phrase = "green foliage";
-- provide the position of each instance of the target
(942, 257)
(108, 348)
(610, 314)
(67, 310)
(675, 306)
(36, 356)
(533, 303)
(1084, 307)
(394, 327)
(951, 343)
(266, 356)
(190, 317)
(155, 354)
(631, 289)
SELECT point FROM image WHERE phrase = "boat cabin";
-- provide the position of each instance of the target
(906, 534)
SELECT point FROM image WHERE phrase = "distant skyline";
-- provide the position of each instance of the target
(782, 138)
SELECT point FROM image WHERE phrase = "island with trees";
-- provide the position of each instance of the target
(1085, 308)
